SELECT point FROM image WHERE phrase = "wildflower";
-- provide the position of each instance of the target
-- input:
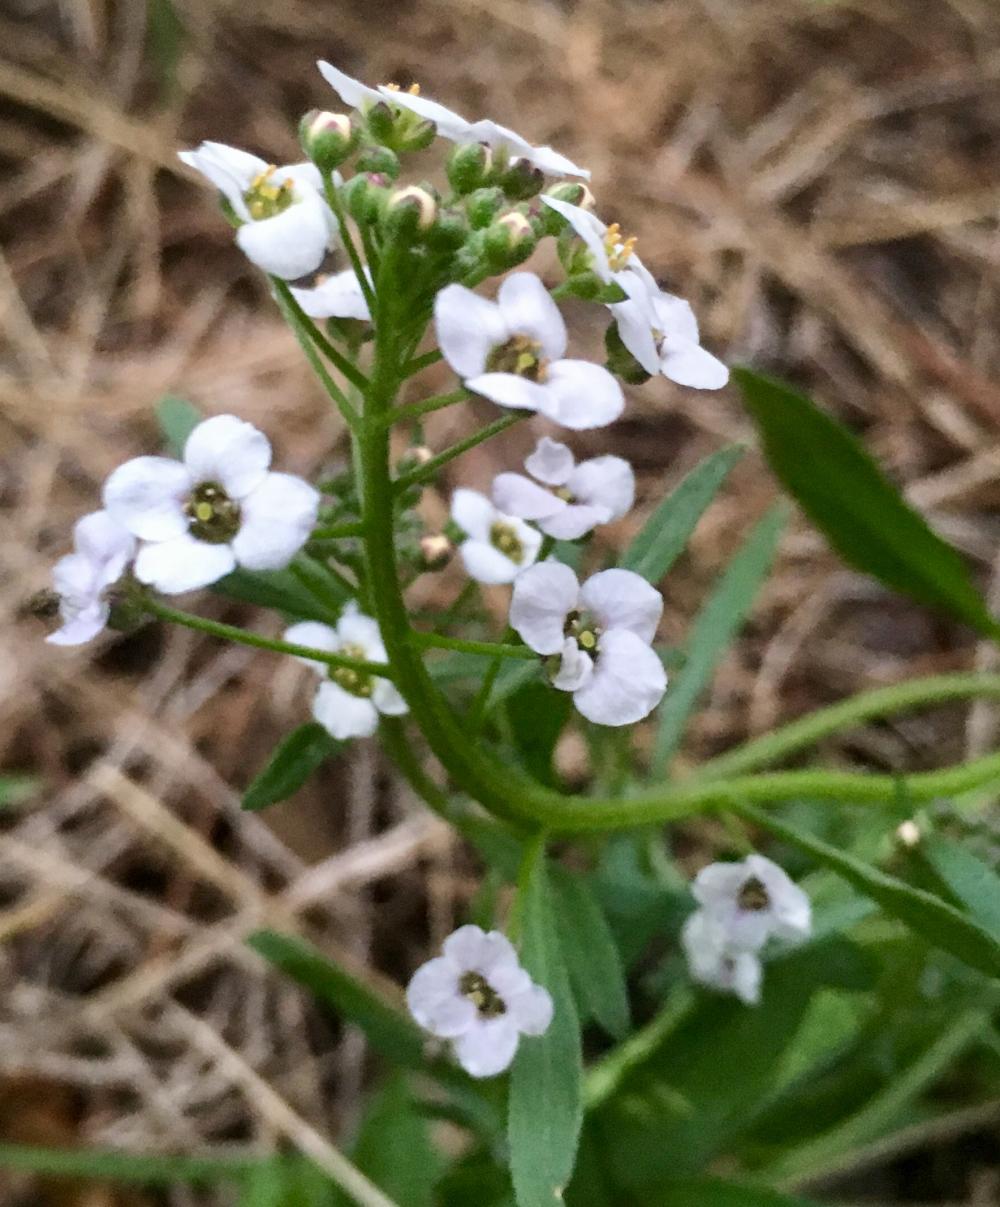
(336, 296)
(753, 901)
(479, 997)
(219, 508)
(285, 226)
(348, 702)
(713, 961)
(581, 496)
(496, 547)
(102, 549)
(602, 633)
(510, 351)
(658, 328)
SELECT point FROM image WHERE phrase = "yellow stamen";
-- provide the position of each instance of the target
(618, 250)
(413, 90)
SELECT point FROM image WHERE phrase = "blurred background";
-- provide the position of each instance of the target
(821, 178)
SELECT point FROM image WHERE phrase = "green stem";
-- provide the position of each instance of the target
(489, 649)
(430, 468)
(305, 323)
(418, 363)
(335, 203)
(414, 410)
(228, 632)
(304, 334)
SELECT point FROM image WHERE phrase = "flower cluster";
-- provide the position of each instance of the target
(741, 907)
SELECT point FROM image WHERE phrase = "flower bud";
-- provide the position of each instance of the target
(573, 192)
(483, 205)
(469, 167)
(522, 180)
(381, 160)
(416, 134)
(410, 211)
(365, 196)
(381, 121)
(509, 241)
(412, 459)
(449, 231)
(620, 361)
(327, 138)
(435, 551)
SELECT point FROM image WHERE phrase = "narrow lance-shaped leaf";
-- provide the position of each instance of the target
(971, 881)
(667, 531)
(714, 628)
(937, 921)
(177, 418)
(546, 1083)
(860, 512)
(294, 759)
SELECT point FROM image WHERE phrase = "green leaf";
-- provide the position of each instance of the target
(940, 923)
(394, 1149)
(294, 759)
(267, 1187)
(538, 714)
(711, 1192)
(276, 589)
(860, 512)
(129, 1167)
(546, 1082)
(177, 418)
(714, 628)
(668, 530)
(386, 1027)
(16, 788)
(973, 883)
(591, 955)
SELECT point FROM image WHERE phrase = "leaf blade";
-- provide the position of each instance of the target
(293, 760)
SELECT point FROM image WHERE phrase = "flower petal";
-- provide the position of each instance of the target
(339, 296)
(342, 714)
(487, 1048)
(387, 699)
(351, 91)
(99, 537)
(355, 628)
(487, 564)
(690, 365)
(292, 243)
(621, 599)
(627, 684)
(435, 1002)
(315, 636)
(449, 124)
(509, 390)
(790, 908)
(528, 309)
(589, 228)
(551, 462)
(604, 482)
(574, 522)
(580, 395)
(146, 496)
(543, 597)
(717, 886)
(230, 452)
(474, 949)
(518, 495)
(82, 627)
(473, 513)
(532, 1010)
(575, 667)
(275, 522)
(545, 158)
(183, 564)
(636, 319)
(468, 329)
(229, 169)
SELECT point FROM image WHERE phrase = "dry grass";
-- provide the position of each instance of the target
(821, 179)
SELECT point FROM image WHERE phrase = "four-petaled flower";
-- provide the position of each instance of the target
(658, 328)
(286, 227)
(511, 351)
(348, 701)
(602, 633)
(102, 549)
(219, 508)
(580, 496)
(715, 962)
(451, 125)
(477, 995)
(754, 900)
(495, 547)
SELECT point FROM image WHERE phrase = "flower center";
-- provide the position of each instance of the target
(213, 516)
(618, 251)
(582, 629)
(753, 896)
(481, 993)
(413, 90)
(521, 355)
(504, 537)
(265, 198)
(564, 493)
(358, 683)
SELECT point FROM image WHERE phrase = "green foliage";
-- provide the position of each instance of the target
(177, 418)
(394, 1149)
(848, 497)
(294, 759)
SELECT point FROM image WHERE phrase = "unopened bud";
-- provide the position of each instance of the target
(412, 459)
(450, 230)
(435, 551)
(410, 211)
(522, 180)
(365, 196)
(483, 205)
(620, 361)
(416, 134)
(381, 160)
(469, 167)
(908, 833)
(573, 192)
(327, 138)
(381, 121)
(509, 241)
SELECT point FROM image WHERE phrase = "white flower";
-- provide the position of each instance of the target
(219, 508)
(497, 547)
(658, 328)
(102, 550)
(336, 296)
(450, 124)
(753, 901)
(479, 997)
(348, 702)
(511, 351)
(602, 632)
(585, 495)
(286, 226)
(713, 961)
